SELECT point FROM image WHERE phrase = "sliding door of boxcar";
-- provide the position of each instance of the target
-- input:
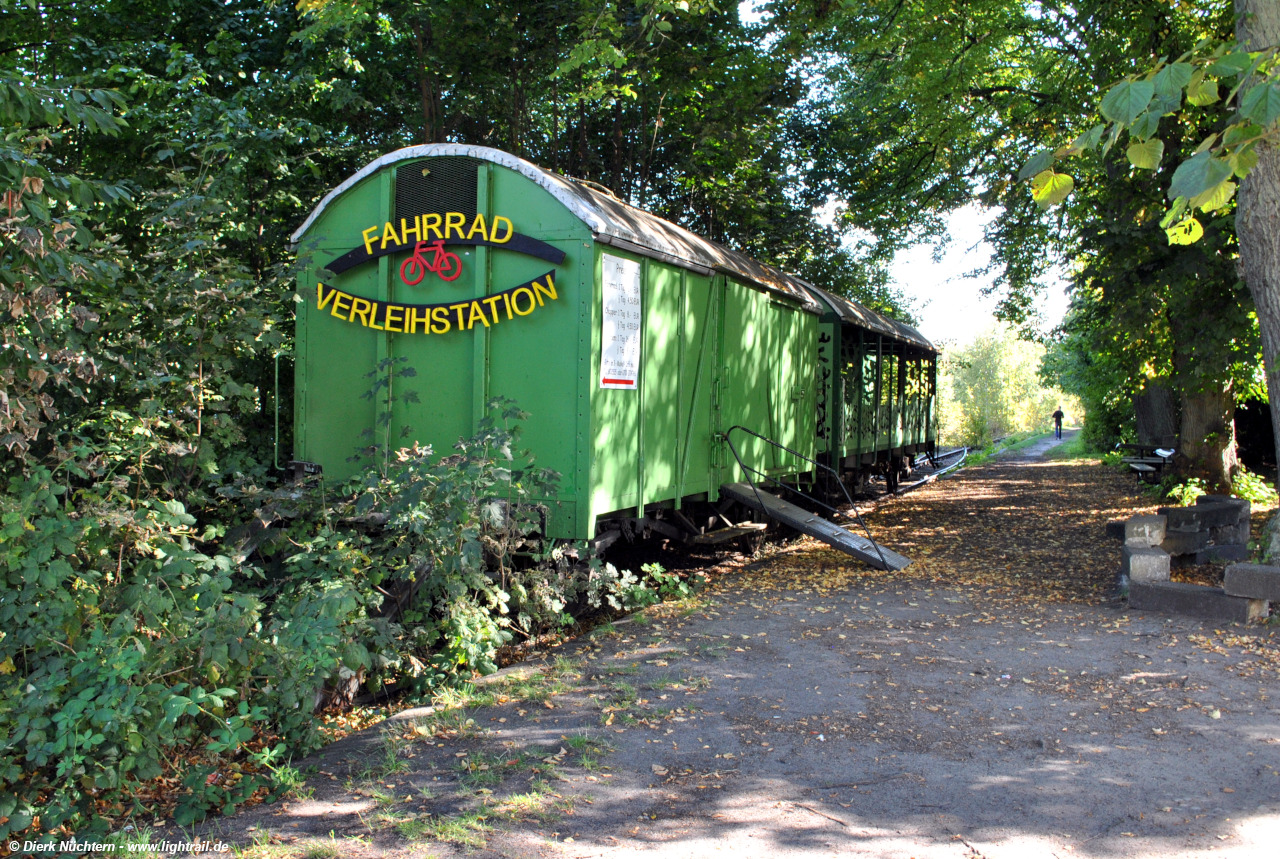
(766, 383)
(653, 443)
(680, 341)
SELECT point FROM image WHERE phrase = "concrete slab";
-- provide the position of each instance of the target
(1184, 542)
(1218, 554)
(1182, 518)
(1217, 515)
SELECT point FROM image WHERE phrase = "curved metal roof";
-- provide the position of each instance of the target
(865, 317)
(612, 221)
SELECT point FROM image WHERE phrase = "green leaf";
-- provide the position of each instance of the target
(1037, 164)
(1233, 63)
(1207, 144)
(1127, 100)
(1050, 188)
(1262, 104)
(1215, 198)
(1198, 174)
(1243, 161)
(1202, 92)
(1146, 125)
(1171, 79)
(1146, 155)
(1088, 140)
(1176, 210)
(1186, 232)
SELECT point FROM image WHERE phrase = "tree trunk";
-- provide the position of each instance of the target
(1207, 447)
(428, 89)
(1206, 428)
(1258, 214)
(1156, 416)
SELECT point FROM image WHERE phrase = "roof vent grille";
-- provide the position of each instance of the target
(446, 184)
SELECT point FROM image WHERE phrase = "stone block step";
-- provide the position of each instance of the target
(1144, 564)
(1256, 581)
(1146, 530)
(1195, 601)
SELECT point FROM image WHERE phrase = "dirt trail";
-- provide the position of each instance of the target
(989, 701)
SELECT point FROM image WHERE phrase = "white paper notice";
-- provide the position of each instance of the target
(620, 333)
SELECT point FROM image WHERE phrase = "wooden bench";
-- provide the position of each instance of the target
(1146, 450)
(1145, 472)
(1148, 467)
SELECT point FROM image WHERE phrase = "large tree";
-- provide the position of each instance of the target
(676, 106)
(1258, 210)
(939, 103)
(1147, 105)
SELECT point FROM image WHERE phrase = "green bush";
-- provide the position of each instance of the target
(117, 647)
(1185, 492)
(1248, 485)
(136, 642)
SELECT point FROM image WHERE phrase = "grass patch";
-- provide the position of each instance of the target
(622, 695)
(539, 803)
(388, 761)
(538, 687)
(590, 751)
(322, 851)
(619, 698)
(481, 771)
(1009, 444)
(454, 724)
(680, 684)
(468, 829)
(623, 670)
(261, 848)
(713, 650)
(582, 742)
(1073, 447)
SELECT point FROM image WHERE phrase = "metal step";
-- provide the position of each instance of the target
(815, 526)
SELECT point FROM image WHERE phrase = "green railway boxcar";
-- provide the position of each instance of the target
(877, 399)
(633, 344)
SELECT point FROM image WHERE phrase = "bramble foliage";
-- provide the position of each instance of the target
(137, 644)
(1248, 485)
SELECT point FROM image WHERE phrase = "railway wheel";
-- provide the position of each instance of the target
(891, 476)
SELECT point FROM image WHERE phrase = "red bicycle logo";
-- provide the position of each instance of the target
(443, 263)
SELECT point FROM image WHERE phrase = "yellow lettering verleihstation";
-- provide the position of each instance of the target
(487, 311)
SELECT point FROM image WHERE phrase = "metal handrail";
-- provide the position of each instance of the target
(748, 470)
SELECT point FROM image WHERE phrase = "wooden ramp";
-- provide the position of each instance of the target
(815, 526)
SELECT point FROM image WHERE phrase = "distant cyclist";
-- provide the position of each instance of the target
(1057, 422)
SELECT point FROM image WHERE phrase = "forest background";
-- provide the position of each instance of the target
(162, 620)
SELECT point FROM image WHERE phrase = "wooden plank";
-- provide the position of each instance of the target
(815, 526)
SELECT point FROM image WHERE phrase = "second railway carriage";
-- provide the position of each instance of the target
(876, 399)
(634, 345)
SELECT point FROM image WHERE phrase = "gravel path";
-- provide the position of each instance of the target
(990, 701)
